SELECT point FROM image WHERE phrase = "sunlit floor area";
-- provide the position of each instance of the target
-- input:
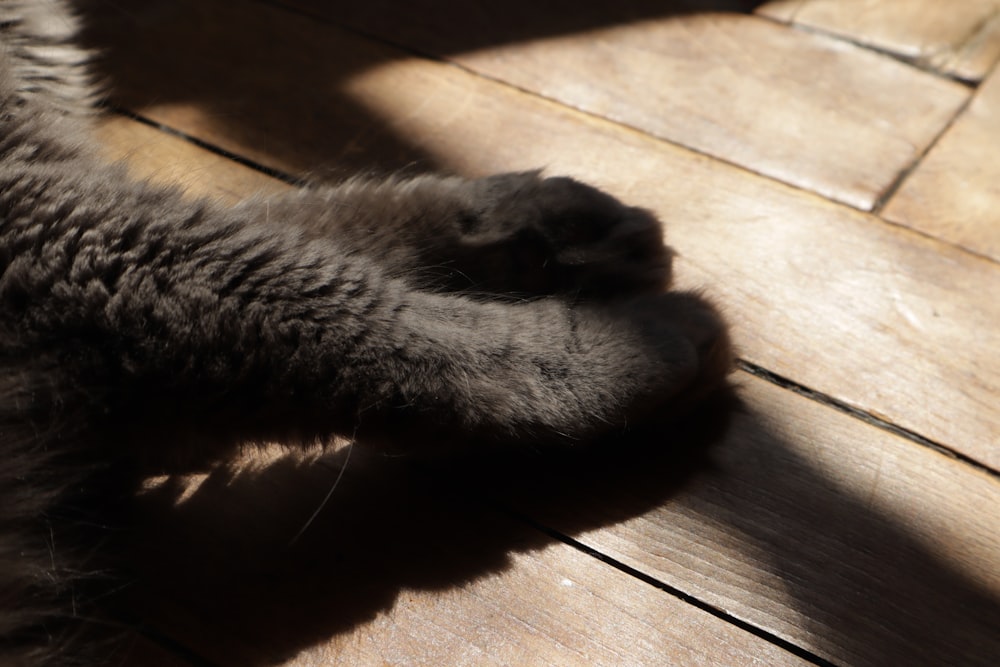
(828, 172)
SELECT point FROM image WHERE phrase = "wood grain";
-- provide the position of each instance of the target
(811, 111)
(960, 38)
(841, 538)
(498, 594)
(868, 313)
(151, 48)
(162, 158)
(955, 192)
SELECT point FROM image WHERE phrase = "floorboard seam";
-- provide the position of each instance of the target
(210, 147)
(857, 413)
(904, 173)
(782, 643)
(866, 46)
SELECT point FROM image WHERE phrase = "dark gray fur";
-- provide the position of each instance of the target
(509, 309)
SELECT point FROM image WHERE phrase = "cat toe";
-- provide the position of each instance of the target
(587, 241)
(705, 329)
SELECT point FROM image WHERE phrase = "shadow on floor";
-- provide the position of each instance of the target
(796, 552)
(282, 92)
(783, 546)
(218, 566)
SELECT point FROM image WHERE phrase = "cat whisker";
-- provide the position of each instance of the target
(329, 494)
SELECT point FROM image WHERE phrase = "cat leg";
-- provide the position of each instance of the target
(516, 233)
(191, 313)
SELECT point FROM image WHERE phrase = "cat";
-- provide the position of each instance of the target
(140, 327)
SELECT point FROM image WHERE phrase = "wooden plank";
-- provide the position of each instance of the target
(868, 313)
(166, 159)
(960, 38)
(151, 48)
(839, 537)
(395, 570)
(955, 192)
(814, 112)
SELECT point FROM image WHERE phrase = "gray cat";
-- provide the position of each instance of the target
(141, 328)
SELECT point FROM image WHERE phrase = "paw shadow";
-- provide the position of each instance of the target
(219, 567)
(845, 563)
(725, 505)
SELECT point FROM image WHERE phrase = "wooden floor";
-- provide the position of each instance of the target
(828, 171)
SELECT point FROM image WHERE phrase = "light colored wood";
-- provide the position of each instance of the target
(955, 192)
(834, 299)
(960, 38)
(843, 539)
(163, 158)
(808, 110)
(307, 125)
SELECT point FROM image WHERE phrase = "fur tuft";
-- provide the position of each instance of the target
(38, 37)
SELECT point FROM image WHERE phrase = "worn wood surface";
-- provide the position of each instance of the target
(426, 574)
(955, 192)
(733, 86)
(960, 38)
(164, 158)
(821, 529)
(789, 531)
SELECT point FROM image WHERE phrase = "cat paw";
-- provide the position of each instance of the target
(556, 235)
(708, 360)
(654, 357)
